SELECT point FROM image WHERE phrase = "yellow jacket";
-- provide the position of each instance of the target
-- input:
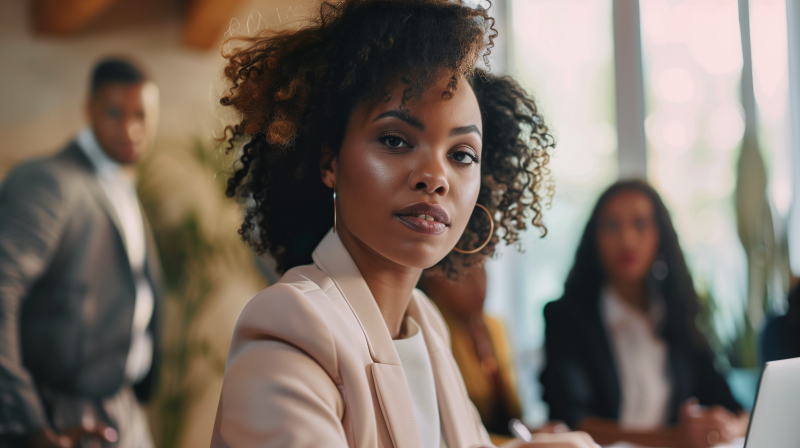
(479, 384)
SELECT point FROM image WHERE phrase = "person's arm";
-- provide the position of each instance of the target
(281, 376)
(32, 215)
(711, 387)
(698, 427)
(275, 395)
(713, 391)
(565, 383)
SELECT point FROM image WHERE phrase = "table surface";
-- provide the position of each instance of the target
(739, 443)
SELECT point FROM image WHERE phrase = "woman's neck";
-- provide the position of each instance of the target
(390, 283)
(632, 292)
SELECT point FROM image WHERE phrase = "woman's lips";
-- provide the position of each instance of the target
(423, 217)
(422, 225)
(627, 258)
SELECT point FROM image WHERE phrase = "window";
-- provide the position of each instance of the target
(692, 70)
(562, 51)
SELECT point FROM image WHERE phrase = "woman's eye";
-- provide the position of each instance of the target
(464, 157)
(610, 226)
(393, 141)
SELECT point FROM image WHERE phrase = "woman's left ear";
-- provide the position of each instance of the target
(327, 166)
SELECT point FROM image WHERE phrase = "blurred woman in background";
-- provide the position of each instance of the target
(479, 344)
(625, 360)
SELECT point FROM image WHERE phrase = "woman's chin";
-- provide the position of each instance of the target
(406, 247)
(417, 255)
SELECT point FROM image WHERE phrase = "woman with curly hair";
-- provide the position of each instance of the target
(371, 149)
(625, 359)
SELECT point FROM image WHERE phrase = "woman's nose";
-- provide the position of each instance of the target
(430, 176)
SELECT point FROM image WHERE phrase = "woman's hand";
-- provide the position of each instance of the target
(702, 427)
(71, 437)
(552, 427)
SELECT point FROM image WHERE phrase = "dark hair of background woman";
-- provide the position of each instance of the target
(295, 91)
(587, 277)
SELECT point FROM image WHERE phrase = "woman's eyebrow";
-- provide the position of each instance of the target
(400, 115)
(461, 130)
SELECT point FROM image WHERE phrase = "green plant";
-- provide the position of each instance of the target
(195, 226)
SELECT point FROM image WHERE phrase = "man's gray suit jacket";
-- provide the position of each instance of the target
(67, 291)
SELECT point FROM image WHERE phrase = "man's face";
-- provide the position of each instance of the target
(124, 117)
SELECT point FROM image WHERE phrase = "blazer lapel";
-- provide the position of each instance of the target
(332, 257)
(152, 263)
(389, 379)
(93, 184)
(396, 406)
(458, 422)
(153, 273)
(604, 355)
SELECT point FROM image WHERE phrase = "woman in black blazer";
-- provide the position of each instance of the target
(626, 323)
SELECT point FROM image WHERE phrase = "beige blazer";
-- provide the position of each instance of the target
(312, 364)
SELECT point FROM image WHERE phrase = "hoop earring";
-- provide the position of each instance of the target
(491, 233)
(334, 210)
(660, 269)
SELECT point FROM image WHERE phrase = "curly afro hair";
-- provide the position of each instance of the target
(295, 90)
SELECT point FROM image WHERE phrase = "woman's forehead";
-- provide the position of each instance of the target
(628, 202)
(434, 106)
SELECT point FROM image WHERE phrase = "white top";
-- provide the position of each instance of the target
(641, 360)
(121, 194)
(419, 375)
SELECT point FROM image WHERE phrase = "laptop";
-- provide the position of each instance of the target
(775, 421)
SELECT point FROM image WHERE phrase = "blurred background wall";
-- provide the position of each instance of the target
(45, 74)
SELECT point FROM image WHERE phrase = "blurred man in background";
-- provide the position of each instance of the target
(79, 279)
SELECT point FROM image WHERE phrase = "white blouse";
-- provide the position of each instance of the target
(641, 360)
(419, 376)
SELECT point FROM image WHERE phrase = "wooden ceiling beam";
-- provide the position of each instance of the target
(65, 17)
(206, 21)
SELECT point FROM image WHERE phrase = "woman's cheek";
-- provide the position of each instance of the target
(372, 181)
(379, 173)
(466, 196)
